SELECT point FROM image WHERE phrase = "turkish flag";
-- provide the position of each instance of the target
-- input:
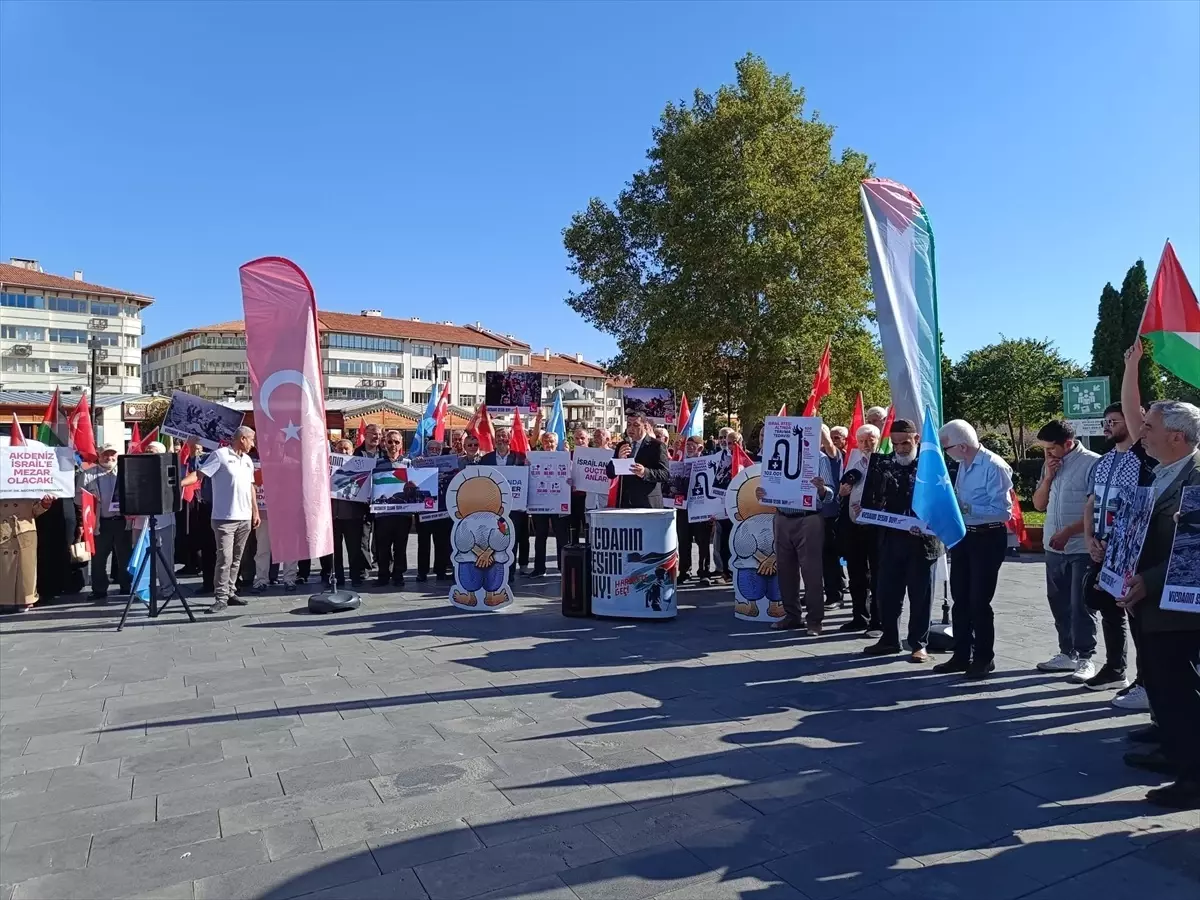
(820, 388)
(439, 415)
(289, 406)
(741, 459)
(856, 422)
(481, 427)
(88, 523)
(361, 437)
(685, 414)
(519, 443)
(16, 437)
(79, 430)
(135, 440)
(783, 411)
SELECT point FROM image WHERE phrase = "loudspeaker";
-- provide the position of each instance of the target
(576, 581)
(148, 484)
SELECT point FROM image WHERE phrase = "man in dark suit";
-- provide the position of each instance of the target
(1170, 650)
(642, 489)
(504, 455)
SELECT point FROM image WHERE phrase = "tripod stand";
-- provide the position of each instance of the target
(154, 552)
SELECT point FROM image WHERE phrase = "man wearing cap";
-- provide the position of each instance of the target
(112, 535)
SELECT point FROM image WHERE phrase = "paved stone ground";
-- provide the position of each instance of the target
(409, 750)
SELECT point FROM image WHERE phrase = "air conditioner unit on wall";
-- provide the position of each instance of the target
(22, 350)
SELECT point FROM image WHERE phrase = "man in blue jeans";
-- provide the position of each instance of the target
(1062, 494)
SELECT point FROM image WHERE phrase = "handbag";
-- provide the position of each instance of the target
(79, 552)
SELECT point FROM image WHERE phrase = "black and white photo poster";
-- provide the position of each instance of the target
(1182, 592)
(1126, 539)
(211, 424)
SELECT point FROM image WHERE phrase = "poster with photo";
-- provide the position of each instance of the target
(791, 455)
(506, 392)
(656, 404)
(549, 482)
(400, 488)
(211, 424)
(675, 492)
(447, 467)
(1182, 591)
(1126, 539)
(350, 477)
(704, 500)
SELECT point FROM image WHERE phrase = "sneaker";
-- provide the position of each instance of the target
(1134, 698)
(235, 600)
(1105, 680)
(1058, 663)
(1085, 671)
(219, 606)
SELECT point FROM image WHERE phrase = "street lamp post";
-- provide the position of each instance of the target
(438, 362)
(96, 352)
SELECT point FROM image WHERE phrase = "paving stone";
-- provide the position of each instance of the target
(323, 774)
(422, 845)
(496, 867)
(37, 762)
(553, 813)
(129, 843)
(292, 877)
(927, 837)
(152, 712)
(436, 777)
(671, 821)
(216, 796)
(401, 885)
(994, 814)
(265, 762)
(188, 777)
(422, 753)
(880, 804)
(380, 822)
(790, 789)
(26, 783)
(549, 888)
(291, 840)
(171, 759)
(42, 859)
(85, 821)
(635, 876)
(280, 810)
(753, 884)
(127, 745)
(841, 867)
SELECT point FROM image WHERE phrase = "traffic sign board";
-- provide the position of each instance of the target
(1085, 398)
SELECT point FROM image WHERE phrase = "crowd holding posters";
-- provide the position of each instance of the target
(791, 456)
(1182, 591)
(447, 467)
(398, 488)
(1126, 539)
(549, 482)
(506, 392)
(211, 424)
(656, 404)
(589, 469)
(704, 500)
(518, 484)
(350, 477)
(36, 472)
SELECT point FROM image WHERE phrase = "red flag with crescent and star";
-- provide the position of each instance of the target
(289, 406)
(440, 414)
(87, 525)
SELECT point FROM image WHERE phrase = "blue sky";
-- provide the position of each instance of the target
(424, 159)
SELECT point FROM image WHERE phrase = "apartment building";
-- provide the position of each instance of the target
(591, 397)
(46, 322)
(364, 357)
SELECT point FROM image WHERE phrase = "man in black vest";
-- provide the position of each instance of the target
(643, 488)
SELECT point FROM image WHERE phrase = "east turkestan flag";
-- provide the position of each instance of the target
(1171, 321)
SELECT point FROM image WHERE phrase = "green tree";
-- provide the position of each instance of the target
(728, 261)
(1117, 323)
(1015, 385)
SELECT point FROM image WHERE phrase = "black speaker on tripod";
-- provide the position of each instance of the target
(148, 484)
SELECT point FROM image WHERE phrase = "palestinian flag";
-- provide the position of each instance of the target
(53, 430)
(1171, 321)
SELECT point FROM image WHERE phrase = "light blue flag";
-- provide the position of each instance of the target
(426, 425)
(141, 550)
(934, 501)
(695, 425)
(558, 421)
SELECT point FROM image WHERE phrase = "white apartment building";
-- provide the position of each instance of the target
(364, 357)
(45, 324)
(591, 397)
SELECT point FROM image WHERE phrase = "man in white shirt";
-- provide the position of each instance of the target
(234, 511)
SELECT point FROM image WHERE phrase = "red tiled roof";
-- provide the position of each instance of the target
(561, 364)
(380, 326)
(20, 277)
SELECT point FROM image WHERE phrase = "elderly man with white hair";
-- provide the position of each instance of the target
(1169, 655)
(982, 486)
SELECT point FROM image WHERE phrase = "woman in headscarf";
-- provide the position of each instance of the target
(19, 552)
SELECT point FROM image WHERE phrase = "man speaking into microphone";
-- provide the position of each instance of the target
(641, 488)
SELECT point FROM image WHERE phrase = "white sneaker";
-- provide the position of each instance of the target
(1134, 698)
(1085, 670)
(1059, 663)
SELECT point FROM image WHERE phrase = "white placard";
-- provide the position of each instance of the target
(891, 520)
(623, 466)
(549, 489)
(36, 472)
(518, 483)
(589, 471)
(791, 459)
(704, 501)
(1088, 427)
(350, 477)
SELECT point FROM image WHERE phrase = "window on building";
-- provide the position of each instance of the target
(516, 359)
(488, 355)
(363, 342)
(22, 301)
(68, 336)
(132, 371)
(22, 333)
(129, 340)
(422, 350)
(443, 374)
(418, 397)
(131, 310)
(422, 374)
(106, 369)
(68, 366)
(67, 305)
(467, 376)
(363, 367)
(23, 366)
(468, 352)
(468, 401)
(104, 308)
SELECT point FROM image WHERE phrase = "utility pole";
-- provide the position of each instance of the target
(96, 352)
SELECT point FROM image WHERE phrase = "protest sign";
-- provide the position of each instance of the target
(518, 483)
(211, 424)
(656, 404)
(791, 454)
(704, 499)
(350, 477)
(400, 488)
(674, 495)
(868, 516)
(260, 494)
(549, 482)
(447, 467)
(36, 472)
(589, 470)
(1126, 539)
(1182, 592)
(506, 392)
